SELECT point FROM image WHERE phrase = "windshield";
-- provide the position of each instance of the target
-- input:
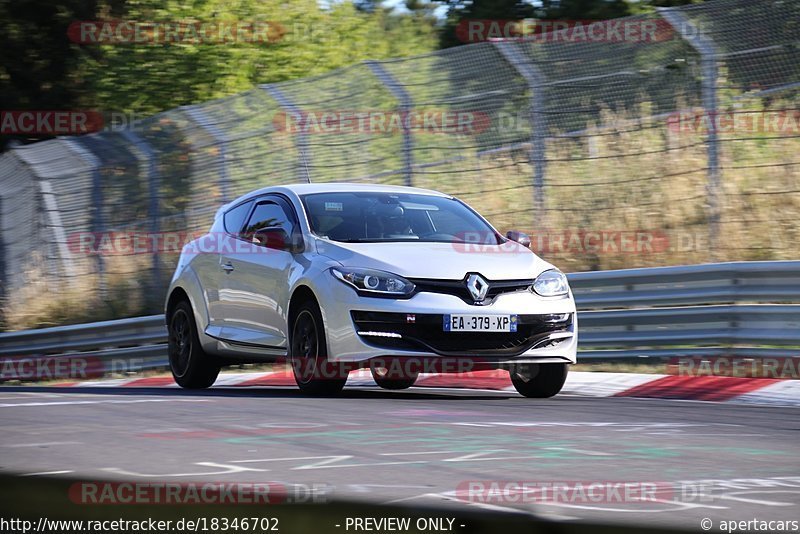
(362, 217)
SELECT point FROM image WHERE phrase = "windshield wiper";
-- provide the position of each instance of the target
(378, 239)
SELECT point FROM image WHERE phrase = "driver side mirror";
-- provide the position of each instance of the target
(519, 237)
(276, 238)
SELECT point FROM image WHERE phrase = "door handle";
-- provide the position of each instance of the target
(227, 267)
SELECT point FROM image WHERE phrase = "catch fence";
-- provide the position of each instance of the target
(675, 146)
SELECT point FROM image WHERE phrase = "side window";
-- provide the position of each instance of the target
(234, 218)
(268, 215)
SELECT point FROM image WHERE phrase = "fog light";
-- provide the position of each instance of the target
(555, 317)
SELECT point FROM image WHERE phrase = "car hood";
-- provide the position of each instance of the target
(446, 261)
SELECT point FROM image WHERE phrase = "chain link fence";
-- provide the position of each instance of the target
(675, 143)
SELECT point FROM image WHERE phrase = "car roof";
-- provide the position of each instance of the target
(333, 187)
(346, 187)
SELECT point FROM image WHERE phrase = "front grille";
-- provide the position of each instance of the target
(426, 334)
(459, 289)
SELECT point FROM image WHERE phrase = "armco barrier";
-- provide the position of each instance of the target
(139, 340)
(738, 309)
(712, 283)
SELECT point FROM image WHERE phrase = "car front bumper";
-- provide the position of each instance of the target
(346, 313)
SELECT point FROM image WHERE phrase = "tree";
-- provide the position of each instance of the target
(583, 9)
(308, 40)
(461, 11)
(38, 64)
(42, 69)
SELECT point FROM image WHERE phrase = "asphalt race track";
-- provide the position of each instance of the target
(420, 446)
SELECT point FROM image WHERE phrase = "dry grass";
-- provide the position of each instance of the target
(52, 301)
(653, 180)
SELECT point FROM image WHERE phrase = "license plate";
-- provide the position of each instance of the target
(480, 323)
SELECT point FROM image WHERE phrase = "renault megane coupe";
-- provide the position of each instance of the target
(336, 277)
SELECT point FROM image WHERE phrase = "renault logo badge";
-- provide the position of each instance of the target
(477, 287)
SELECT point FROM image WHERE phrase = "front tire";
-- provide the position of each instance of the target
(313, 372)
(539, 381)
(191, 367)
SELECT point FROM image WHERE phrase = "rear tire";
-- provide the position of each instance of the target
(539, 381)
(313, 372)
(380, 375)
(191, 367)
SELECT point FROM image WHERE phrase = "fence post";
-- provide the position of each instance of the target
(535, 79)
(149, 158)
(704, 46)
(405, 106)
(303, 173)
(199, 117)
(54, 222)
(3, 271)
(98, 224)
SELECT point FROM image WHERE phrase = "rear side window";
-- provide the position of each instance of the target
(234, 218)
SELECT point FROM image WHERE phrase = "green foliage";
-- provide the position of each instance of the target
(309, 41)
(500, 10)
(42, 69)
(584, 9)
(517, 10)
(37, 63)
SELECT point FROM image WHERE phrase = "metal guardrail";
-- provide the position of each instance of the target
(131, 344)
(738, 309)
(712, 283)
(133, 332)
(743, 309)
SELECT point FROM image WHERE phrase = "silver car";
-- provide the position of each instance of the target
(336, 277)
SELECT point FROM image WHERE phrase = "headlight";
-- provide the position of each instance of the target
(373, 282)
(551, 284)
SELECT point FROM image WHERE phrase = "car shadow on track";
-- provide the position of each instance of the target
(414, 393)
